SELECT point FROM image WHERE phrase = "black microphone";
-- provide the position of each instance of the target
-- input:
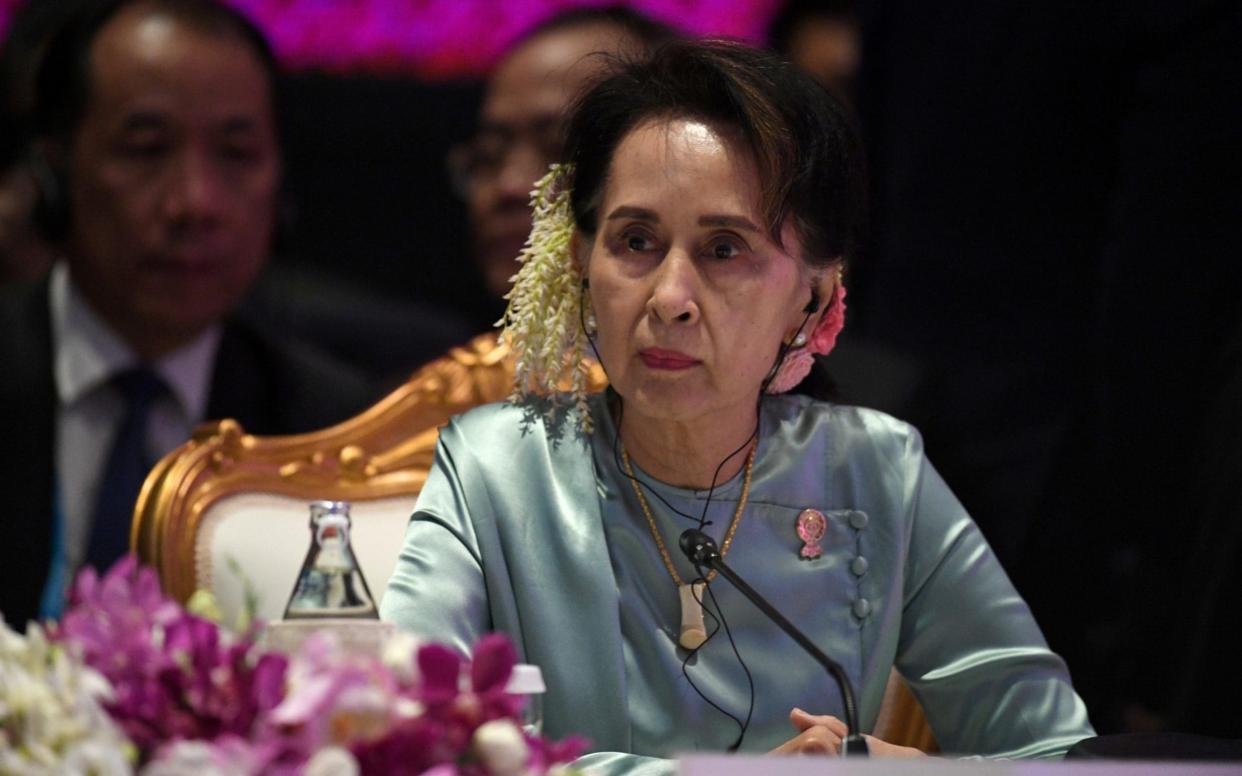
(702, 551)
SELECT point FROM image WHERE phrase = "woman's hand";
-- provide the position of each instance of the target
(817, 734)
(822, 734)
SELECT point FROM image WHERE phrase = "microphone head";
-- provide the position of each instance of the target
(698, 547)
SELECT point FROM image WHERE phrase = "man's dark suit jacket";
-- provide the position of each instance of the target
(269, 386)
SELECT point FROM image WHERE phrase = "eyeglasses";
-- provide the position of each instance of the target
(483, 158)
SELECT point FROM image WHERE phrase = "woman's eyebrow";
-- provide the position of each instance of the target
(643, 214)
(630, 211)
(736, 222)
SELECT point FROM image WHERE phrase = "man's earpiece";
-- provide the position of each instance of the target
(51, 211)
(812, 305)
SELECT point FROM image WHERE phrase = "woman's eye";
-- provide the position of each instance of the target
(637, 243)
(724, 250)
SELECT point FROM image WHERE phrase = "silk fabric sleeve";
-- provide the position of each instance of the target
(621, 764)
(969, 647)
(437, 589)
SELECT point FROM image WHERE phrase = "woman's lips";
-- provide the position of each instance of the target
(658, 358)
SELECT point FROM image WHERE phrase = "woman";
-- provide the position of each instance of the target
(695, 245)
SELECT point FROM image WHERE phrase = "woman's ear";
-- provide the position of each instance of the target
(823, 286)
(580, 252)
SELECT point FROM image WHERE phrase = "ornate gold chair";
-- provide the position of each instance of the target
(901, 720)
(227, 497)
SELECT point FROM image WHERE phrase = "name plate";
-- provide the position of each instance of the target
(357, 637)
(748, 765)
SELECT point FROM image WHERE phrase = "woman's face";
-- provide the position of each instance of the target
(691, 295)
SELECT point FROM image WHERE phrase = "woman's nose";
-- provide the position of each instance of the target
(674, 298)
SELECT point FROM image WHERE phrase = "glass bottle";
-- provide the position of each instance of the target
(331, 582)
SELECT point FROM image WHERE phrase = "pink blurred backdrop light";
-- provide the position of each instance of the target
(447, 39)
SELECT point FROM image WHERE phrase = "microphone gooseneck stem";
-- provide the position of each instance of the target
(701, 550)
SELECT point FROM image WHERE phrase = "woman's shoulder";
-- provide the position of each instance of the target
(520, 453)
(848, 426)
(486, 417)
(504, 424)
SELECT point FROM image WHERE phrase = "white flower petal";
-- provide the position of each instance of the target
(501, 748)
(332, 761)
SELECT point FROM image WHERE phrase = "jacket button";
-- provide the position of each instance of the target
(858, 566)
(862, 608)
(858, 520)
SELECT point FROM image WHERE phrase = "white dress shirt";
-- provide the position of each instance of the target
(86, 355)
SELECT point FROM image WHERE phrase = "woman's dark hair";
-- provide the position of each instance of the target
(805, 144)
(62, 85)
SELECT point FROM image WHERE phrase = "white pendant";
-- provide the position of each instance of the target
(693, 633)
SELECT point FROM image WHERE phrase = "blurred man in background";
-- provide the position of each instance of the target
(823, 38)
(155, 120)
(520, 123)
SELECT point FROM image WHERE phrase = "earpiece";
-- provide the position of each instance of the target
(812, 305)
(589, 326)
(51, 211)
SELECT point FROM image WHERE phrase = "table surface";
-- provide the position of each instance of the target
(737, 765)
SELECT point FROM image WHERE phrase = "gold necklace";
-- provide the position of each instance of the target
(693, 631)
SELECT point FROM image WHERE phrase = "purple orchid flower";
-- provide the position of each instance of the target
(185, 691)
(175, 676)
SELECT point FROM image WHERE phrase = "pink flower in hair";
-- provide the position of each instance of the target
(798, 361)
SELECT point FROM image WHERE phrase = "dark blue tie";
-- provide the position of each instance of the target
(127, 467)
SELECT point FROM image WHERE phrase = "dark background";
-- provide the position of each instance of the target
(367, 182)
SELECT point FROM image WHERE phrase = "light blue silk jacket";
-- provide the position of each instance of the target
(529, 528)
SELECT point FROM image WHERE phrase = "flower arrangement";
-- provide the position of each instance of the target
(129, 680)
(51, 715)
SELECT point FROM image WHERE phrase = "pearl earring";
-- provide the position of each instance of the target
(799, 340)
(590, 324)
